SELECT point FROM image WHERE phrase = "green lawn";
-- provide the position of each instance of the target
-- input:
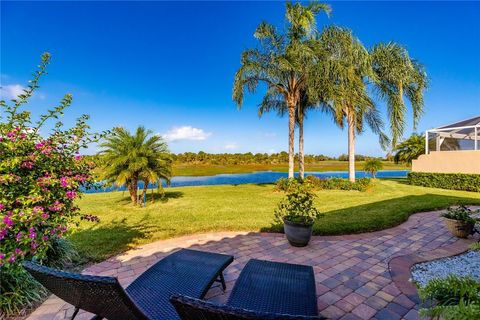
(188, 210)
(207, 170)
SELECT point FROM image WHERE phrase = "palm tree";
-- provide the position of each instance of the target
(398, 76)
(387, 69)
(410, 149)
(129, 158)
(347, 68)
(282, 62)
(273, 101)
(372, 166)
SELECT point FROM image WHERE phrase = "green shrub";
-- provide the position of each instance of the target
(460, 213)
(298, 206)
(451, 298)
(453, 181)
(284, 184)
(20, 290)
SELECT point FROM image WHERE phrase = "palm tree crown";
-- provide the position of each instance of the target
(282, 62)
(134, 157)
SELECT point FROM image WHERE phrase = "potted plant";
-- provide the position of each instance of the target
(459, 221)
(298, 213)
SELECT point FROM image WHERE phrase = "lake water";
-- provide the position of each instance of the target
(255, 177)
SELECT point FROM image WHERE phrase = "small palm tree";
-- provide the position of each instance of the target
(130, 157)
(282, 62)
(372, 166)
(410, 149)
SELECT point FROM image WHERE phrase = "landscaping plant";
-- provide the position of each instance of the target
(40, 177)
(315, 183)
(372, 166)
(460, 213)
(453, 298)
(298, 206)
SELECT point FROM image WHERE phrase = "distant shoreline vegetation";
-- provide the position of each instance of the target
(202, 157)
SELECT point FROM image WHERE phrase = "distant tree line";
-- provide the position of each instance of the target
(252, 158)
(202, 157)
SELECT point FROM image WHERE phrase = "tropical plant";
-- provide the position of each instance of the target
(298, 205)
(355, 72)
(453, 298)
(282, 62)
(348, 66)
(273, 101)
(130, 157)
(398, 76)
(461, 213)
(372, 166)
(40, 178)
(409, 149)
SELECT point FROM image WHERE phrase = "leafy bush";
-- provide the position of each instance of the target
(451, 298)
(453, 181)
(372, 166)
(298, 206)
(315, 183)
(39, 181)
(21, 289)
(461, 213)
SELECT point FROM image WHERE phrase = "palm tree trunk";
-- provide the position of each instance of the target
(351, 147)
(132, 189)
(145, 187)
(301, 155)
(291, 139)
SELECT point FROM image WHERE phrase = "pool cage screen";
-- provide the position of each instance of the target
(464, 135)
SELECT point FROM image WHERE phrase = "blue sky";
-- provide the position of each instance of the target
(170, 66)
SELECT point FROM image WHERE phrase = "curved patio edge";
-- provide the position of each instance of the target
(400, 266)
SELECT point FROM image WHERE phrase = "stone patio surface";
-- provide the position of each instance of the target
(352, 273)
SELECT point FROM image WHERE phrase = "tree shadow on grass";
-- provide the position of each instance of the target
(157, 196)
(378, 215)
(99, 242)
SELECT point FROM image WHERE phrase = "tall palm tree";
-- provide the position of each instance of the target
(273, 101)
(387, 69)
(282, 62)
(398, 76)
(347, 67)
(130, 157)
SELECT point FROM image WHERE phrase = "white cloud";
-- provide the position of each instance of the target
(231, 146)
(186, 133)
(11, 91)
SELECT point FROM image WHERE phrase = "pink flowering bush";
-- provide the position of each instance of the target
(39, 179)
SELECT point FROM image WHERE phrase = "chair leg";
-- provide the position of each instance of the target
(74, 313)
(222, 281)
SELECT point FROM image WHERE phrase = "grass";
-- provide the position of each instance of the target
(210, 169)
(188, 210)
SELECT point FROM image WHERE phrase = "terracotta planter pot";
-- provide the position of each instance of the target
(298, 234)
(459, 228)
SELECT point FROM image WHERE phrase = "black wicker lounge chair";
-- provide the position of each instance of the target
(186, 272)
(264, 290)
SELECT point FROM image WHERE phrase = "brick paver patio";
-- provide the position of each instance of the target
(352, 272)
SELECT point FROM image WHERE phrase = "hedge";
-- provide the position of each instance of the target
(362, 184)
(453, 181)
